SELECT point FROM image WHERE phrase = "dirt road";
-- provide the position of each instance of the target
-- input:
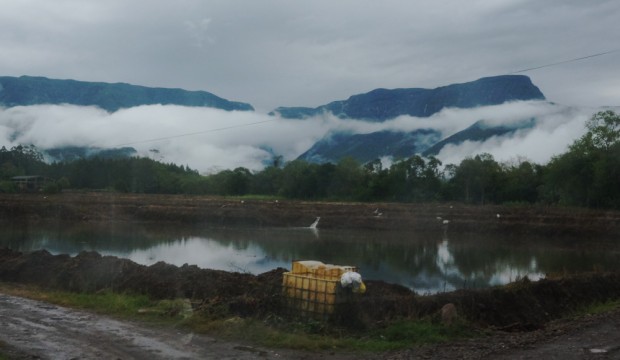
(32, 329)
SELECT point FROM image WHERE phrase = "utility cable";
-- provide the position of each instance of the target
(565, 61)
(195, 133)
(266, 121)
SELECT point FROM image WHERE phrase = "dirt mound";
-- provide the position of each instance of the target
(244, 294)
(526, 305)
(523, 305)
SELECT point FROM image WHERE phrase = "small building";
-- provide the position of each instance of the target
(30, 183)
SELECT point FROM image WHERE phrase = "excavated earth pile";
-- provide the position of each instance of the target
(523, 305)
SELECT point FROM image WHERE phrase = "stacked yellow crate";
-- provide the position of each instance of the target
(312, 287)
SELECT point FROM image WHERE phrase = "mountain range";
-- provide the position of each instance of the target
(30, 90)
(384, 104)
(376, 106)
(381, 105)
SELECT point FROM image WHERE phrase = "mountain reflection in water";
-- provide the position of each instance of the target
(426, 263)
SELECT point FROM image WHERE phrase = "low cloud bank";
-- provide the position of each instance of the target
(211, 140)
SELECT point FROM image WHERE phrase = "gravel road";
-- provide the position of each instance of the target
(32, 329)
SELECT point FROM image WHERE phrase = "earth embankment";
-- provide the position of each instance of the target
(523, 305)
(215, 211)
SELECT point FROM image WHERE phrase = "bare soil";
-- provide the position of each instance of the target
(32, 329)
(557, 222)
(522, 318)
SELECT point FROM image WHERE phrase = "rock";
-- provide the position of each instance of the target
(448, 314)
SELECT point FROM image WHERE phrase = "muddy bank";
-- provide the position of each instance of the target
(536, 220)
(520, 306)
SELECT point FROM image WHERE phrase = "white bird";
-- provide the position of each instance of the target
(315, 223)
(498, 216)
(446, 222)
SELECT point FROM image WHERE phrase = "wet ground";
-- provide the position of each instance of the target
(36, 330)
(31, 329)
(555, 222)
(522, 317)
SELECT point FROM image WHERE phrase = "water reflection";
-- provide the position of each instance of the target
(427, 263)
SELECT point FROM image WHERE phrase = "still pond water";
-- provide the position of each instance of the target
(426, 263)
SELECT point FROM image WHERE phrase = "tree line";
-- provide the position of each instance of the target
(587, 174)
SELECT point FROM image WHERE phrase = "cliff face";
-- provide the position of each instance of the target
(27, 90)
(367, 147)
(379, 105)
(384, 104)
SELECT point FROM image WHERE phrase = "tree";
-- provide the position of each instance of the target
(298, 180)
(603, 130)
(376, 181)
(478, 179)
(588, 174)
(21, 160)
(347, 180)
(522, 181)
(267, 181)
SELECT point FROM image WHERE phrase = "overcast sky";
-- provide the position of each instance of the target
(291, 53)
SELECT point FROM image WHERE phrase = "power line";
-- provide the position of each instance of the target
(195, 133)
(565, 61)
(266, 121)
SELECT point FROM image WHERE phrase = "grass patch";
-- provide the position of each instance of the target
(407, 333)
(262, 333)
(316, 336)
(274, 332)
(599, 308)
(256, 197)
(126, 306)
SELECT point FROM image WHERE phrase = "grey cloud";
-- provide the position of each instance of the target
(280, 53)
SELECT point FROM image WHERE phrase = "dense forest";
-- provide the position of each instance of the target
(587, 174)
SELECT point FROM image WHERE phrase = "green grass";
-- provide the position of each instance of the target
(273, 333)
(314, 336)
(599, 308)
(256, 197)
(407, 333)
(124, 306)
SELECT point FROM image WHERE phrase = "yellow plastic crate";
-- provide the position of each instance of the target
(318, 269)
(313, 288)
